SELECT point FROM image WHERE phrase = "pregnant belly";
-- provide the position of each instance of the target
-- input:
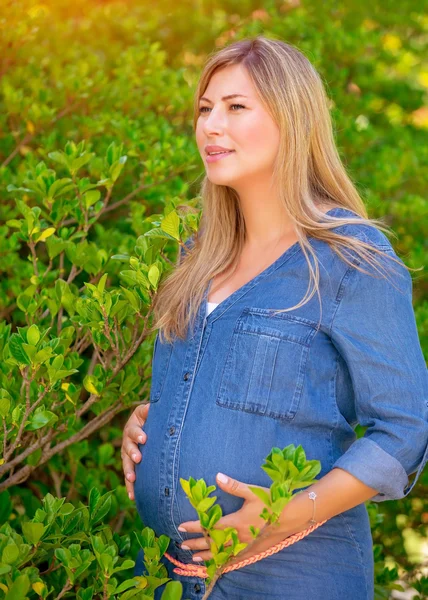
(227, 441)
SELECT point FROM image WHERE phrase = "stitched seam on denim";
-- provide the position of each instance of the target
(176, 453)
(341, 291)
(271, 376)
(289, 338)
(336, 409)
(298, 390)
(351, 533)
(246, 401)
(270, 314)
(164, 372)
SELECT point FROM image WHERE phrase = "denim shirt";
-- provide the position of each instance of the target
(245, 380)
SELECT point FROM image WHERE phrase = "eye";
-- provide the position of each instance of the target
(201, 109)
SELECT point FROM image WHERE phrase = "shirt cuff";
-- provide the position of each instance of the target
(367, 461)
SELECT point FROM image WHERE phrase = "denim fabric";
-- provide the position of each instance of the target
(245, 380)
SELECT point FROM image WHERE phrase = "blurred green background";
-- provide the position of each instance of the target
(125, 72)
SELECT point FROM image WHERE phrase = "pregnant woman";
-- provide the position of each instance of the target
(288, 321)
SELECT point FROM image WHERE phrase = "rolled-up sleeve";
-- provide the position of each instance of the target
(374, 330)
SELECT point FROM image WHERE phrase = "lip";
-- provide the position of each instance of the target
(217, 157)
(213, 148)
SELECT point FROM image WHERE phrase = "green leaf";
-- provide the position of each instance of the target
(129, 583)
(120, 257)
(116, 169)
(154, 275)
(132, 298)
(10, 554)
(163, 543)
(33, 335)
(215, 515)
(170, 224)
(90, 383)
(102, 283)
(63, 556)
(41, 419)
(127, 564)
(186, 487)
(16, 350)
(101, 508)
(261, 493)
(14, 223)
(33, 532)
(4, 407)
(219, 536)
(91, 198)
(173, 591)
(45, 234)
(59, 157)
(19, 588)
(205, 504)
(94, 496)
(30, 351)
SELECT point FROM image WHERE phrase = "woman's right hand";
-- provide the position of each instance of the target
(132, 436)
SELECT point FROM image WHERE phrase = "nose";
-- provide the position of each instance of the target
(213, 123)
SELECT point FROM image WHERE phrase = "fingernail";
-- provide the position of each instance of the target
(130, 495)
(184, 547)
(141, 439)
(128, 476)
(197, 558)
(181, 528)
(222, 478)
(135, 457)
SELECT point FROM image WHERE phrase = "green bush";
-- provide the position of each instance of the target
(97, 150)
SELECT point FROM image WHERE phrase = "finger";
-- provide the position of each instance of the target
(129, 472)
(130, 489)
(128, 468)
(234, 486)
(132, 451)
(191, 527)
(195, 544)
(136, 421)
(141, 412)
(135, 434)
(201, 556)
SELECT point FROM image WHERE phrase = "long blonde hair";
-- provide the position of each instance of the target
(308, 169)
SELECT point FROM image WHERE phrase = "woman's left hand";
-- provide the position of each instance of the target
(248, 514)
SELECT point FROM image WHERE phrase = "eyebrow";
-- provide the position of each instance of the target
(225, 97)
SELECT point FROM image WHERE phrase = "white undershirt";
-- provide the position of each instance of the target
(211, 306)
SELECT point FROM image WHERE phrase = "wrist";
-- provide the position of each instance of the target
(296, 515)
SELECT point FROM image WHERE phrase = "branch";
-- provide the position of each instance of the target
(90, 428)
(28, 411)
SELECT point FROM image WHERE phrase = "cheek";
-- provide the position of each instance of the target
(260, 138)
(199, 136)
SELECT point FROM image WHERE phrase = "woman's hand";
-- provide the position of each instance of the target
(132, 435)
(248, 514)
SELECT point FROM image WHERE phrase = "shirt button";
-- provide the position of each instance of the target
(197, 587)
(171, 430)
(186, 376)
(166, 491)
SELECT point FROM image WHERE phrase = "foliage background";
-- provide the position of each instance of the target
(124, 72)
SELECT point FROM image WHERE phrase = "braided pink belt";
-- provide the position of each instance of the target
(192, 570)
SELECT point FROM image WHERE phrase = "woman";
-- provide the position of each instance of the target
(248, 359)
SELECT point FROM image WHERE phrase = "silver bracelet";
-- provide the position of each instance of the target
(312, 495)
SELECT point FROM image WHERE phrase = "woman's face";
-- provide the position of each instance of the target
(241, 124)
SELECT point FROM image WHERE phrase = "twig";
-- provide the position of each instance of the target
(85, 432)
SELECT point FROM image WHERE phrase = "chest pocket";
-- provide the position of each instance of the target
(160, 362)
(265, 364)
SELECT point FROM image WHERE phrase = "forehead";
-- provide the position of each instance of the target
(233, 79)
